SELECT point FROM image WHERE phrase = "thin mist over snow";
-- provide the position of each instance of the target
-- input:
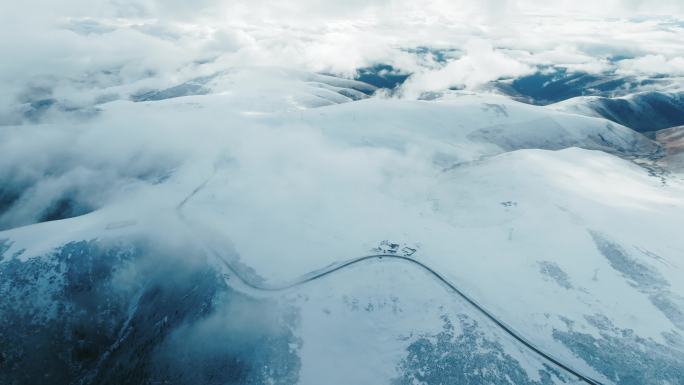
(186, 190)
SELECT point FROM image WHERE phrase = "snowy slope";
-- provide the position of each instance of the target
(537, 214)
(643, 111)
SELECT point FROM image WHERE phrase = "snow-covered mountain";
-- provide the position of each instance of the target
(643, 111)
(553, 84)
(641, 103)
(205, 243)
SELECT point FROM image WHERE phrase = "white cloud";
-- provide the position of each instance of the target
(480, 64)
(653, 65)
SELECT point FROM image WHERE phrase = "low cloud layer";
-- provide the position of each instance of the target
(653, 65)
(479, 64)
(84, 53)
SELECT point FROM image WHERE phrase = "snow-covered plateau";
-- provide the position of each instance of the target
(205, 242)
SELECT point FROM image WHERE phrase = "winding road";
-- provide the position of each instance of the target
(327, 271)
